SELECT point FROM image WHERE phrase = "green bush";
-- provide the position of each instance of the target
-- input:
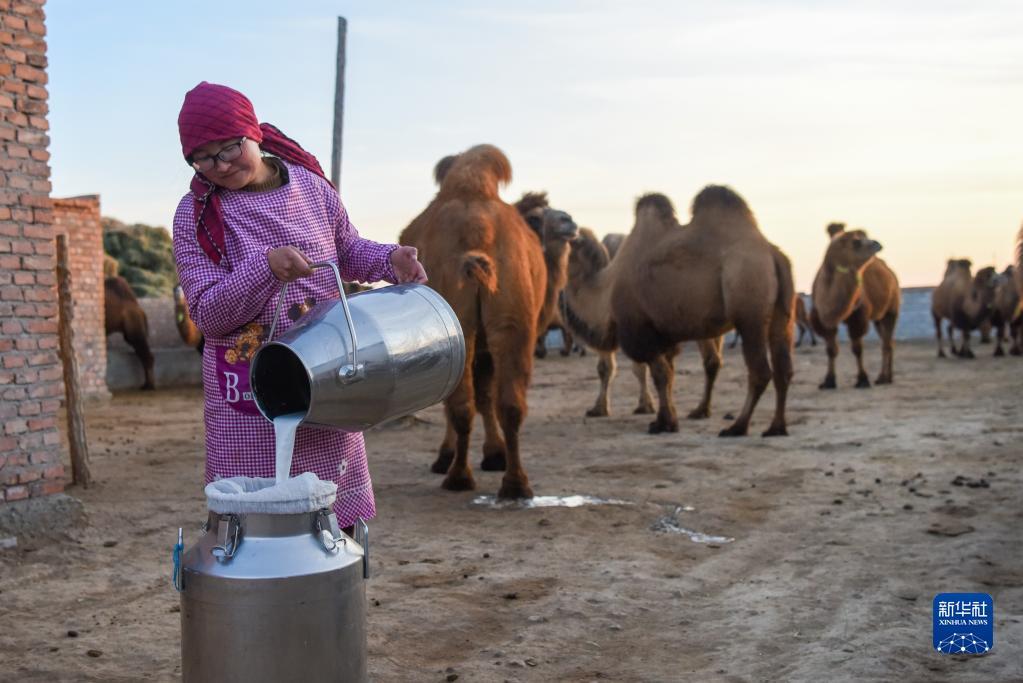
(144, 255)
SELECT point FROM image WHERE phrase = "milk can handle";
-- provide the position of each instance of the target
(347, 373)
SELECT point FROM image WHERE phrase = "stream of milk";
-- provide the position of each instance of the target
(284, 431)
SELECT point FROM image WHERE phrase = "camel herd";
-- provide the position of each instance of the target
(513, 272)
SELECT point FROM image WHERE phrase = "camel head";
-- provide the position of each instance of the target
(835, 229)
(588, 256)
(986, 279)
(557, 226)
(851, 251)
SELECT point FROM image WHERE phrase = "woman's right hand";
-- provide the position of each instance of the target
(288, 264)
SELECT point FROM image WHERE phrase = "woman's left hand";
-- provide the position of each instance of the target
(406, 266)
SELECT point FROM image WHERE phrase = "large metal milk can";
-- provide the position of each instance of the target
(269, 598)
(355, 362)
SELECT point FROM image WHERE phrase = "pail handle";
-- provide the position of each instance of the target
(351, 371)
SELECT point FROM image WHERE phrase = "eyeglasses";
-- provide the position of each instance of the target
(226, 154)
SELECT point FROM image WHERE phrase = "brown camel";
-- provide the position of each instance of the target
(965, 301)
(948, 297)
(488, 265)
(1003, 313)
(588, 258)
(190, 334)
(670, 284)
(1018, 270)
(555, 229)
(124, 314)
(855, 287)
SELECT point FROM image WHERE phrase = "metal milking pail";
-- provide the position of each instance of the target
(354, 362)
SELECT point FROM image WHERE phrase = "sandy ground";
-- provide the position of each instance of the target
(843, 533)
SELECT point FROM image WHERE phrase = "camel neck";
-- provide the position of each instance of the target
(840, 294)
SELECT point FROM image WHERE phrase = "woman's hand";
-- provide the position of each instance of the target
(288, 264)
(406, 266)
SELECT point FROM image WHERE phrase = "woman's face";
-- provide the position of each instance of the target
(235, 174)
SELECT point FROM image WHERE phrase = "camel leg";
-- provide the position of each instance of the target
(754, 352)
(540, 351)
(780, 339)
(567, 341)
(662, 371)
(964, 349)
(494, 450)
(799, 341)
(857, 324)
(831, 343)
(1016, 332)
(459, 409)
(446, 452)
(735, 340)
(937, 334)
(813, 339)
(645, 406)
(513, 366)
(886, 330)
(710, 349)
(136, 338)
(607, 368)
(999, 331)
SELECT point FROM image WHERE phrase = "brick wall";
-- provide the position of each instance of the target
(79, 219)
(30, 373)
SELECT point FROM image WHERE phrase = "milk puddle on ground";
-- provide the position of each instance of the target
(669, 524)
(284, 431)
(546, 502)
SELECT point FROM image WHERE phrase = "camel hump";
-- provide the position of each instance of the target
(477, 172)
(478, 266)
(718, 197)
(531, 201)
(442, 168)
(657, 203)
(835, 229)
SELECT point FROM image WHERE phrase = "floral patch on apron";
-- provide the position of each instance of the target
(232, 364)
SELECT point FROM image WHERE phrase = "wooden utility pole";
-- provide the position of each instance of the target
(80, 473)
(339, 102)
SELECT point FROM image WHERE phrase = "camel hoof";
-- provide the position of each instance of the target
(883, 380)
(968, 355)
(147, 387)
(596, 412)
(643, 410)
(494, 461)
(582, 352)
(698, 414)
(776, 430)
(512, 489)
(734, 430)
(1015, 352)
(941, 354)
(565, 353)
(659, 426)
(828, 383)
(459, 482)
(999, 353)
(443, 461)
(862, 382)
(540, 352)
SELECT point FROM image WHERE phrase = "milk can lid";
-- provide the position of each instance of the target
(247, 495)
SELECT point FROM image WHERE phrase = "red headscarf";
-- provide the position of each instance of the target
(214, 112)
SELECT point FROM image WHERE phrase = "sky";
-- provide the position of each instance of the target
(902, 118)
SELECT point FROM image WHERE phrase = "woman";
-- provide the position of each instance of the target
(258, 213)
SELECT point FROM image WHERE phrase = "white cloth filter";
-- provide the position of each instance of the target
(245, 495)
